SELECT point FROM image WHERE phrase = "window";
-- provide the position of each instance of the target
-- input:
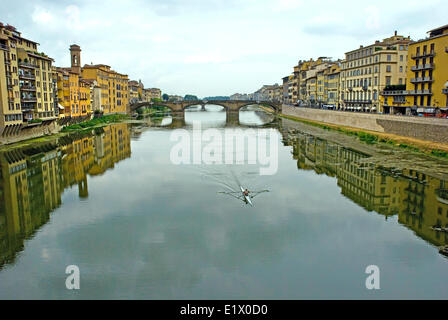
(389, 57)
(388, 68)
(401, 68)
(388, 81)
(401, 58)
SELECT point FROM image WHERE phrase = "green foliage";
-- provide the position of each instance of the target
(35, 121)
(95, 122)
(395, 87)
(439, 153)
(165, 97)
(190, 97)
(217, 98)
(408, 147)
(367, 137)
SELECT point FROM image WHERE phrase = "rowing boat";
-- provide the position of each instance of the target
(247, 198)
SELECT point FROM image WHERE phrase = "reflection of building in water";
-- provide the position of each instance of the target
(30, 191)
(420, 201)
(368, 187)
(425, 206)
(112, 145)
(77, 160)
(32, 180)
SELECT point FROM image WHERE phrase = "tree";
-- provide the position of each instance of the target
(190, 97)
(165, 97)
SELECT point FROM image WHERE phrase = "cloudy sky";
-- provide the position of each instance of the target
(214, 47)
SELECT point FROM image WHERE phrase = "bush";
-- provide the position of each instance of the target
(96, 121)
(35, 121)
(439, 153)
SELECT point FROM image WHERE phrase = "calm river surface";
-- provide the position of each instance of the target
(138, 226)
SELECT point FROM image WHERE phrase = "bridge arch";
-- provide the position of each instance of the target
(228, 105)
(186, 106)
(255, 103)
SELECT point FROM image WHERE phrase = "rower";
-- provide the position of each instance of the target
(246, 193)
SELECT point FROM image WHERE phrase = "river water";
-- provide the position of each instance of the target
(137, 225)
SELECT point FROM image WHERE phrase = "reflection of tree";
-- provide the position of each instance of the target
(33, 179)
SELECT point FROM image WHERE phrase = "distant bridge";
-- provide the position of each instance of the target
(229, 105)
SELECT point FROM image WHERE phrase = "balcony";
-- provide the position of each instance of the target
(358, 101)
(28, 65)
(423, 67)
(27, 88)
(394, 93)
(421, 79)
(28, 107)
(423, 54)
(419, 92)
(4, 47)
(442, 195)
(28, 76)
(7, 61)
(28, 98)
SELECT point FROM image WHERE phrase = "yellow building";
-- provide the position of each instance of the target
(332, 74)
(302, 72)
(134, 95)
(152, 93)
(74, 93)
(114, 87)
(311, 88)
(85, 108)
(320, 87)
(427, 82)
(26, 87)
(292, 87)
(367, 71)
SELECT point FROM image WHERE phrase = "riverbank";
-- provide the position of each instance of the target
(437, 149)
(79, 127)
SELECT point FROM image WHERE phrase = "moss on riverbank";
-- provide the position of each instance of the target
(95, 122)
(79, 127)
(439, 150)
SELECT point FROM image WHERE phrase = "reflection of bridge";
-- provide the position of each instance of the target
(232, 121)
(232, 107)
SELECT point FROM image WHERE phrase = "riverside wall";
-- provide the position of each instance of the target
(429, 129)
(29, 132)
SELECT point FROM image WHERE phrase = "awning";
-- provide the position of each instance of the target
(359, 108)
(60, 107)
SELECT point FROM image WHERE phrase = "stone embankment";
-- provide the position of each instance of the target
(428, 129)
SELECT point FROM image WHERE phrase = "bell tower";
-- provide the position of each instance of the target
(75, 56)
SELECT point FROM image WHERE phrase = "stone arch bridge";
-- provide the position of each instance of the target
(231, 106)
